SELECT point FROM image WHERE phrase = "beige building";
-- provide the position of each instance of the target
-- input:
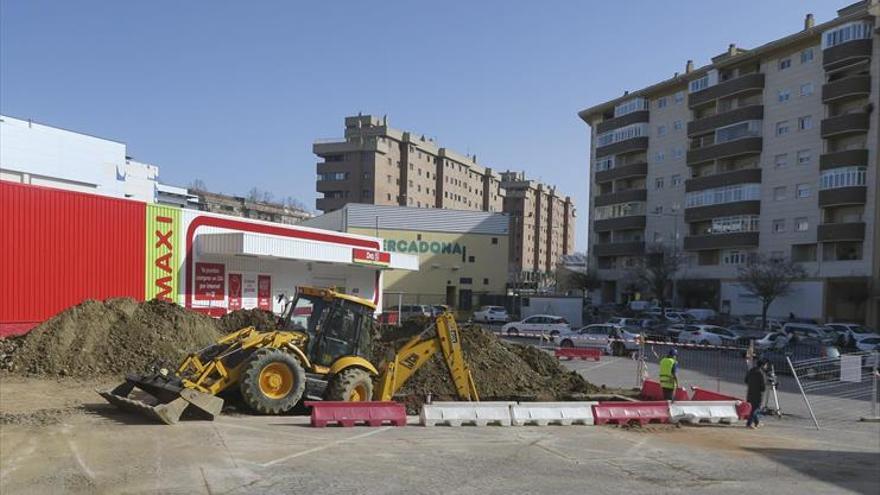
(458, 251)
(542, 228)
(768, 150)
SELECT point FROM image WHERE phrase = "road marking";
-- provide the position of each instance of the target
(323, 447)
(78, 456)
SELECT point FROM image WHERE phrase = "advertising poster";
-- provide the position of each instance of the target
(210, 282)
(234, 291)
(249, 291)
(264, 292)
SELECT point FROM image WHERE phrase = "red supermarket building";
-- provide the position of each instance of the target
(61, 247)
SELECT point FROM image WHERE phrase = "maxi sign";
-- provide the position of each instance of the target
(163, 258)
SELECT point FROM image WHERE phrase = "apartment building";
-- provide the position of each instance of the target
(377, 164)
(768, 150)
(243, 207)
(542, 228)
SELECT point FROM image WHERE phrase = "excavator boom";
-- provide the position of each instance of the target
(415, 353)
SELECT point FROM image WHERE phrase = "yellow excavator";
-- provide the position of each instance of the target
(322, 350)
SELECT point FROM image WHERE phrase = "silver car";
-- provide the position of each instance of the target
(614, 339)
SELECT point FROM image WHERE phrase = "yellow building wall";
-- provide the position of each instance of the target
(444, 261)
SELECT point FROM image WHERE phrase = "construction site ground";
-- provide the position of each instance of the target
(57, 435)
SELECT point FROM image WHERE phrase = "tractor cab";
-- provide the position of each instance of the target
(335, 324)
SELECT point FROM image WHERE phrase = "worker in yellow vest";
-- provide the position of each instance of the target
(668, 374)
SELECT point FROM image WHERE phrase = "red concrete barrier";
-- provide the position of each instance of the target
(624, 413)
(350, 413)
(651, 390)
(574, 352)
(743, 408)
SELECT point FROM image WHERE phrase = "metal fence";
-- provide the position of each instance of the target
(838, 389)
(704, 366)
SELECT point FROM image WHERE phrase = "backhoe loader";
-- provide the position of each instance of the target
(321, 351)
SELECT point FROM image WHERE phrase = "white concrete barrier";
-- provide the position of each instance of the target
(466, 413)
(703, 411)
(556, 413)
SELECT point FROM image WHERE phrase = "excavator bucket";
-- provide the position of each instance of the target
(162, 398)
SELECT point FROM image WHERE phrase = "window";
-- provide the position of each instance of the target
(807, 56)
(803, 191)
(677, 152)
(781, 160)
(782, 128)
(738, 223)
(804, 157)
(661, 130)
(779, 193)
(725, 194)
(471, 259)
(661, 102)
(494, 240)
(806, 89)
(658, 209)
(389, 196)
(842, 177)
(704, 82)
(778, 225)
(465, 280)
(333, 176)
(660, 156)
(366, 175)
(334, 158)
(805, 122)
(658, 237)
(801, 224)
(677, 125)
(618, 210)
(784, 63)
(734, 257)
(658, 183)
(783, 95)
(679, 97)
(485, 281)
(803, 252)
(739, 130)
(622, 134)
(676, 180)
(630, 106)
(858, 30)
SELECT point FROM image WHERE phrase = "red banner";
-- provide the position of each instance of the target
(264, 292)
(234, 291)
(370, 257)
(210, 281)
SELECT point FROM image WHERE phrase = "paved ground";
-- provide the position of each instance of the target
(74, 443)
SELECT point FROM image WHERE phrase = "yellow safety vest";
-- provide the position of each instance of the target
(666, 378)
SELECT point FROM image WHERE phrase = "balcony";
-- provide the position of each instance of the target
(618, 122)
(634, 144)
(743, 146)
(744, 176)
(620, 197)
(847, 123)
(721, 241)
(750, 112)
(748, 82)
(619, 249)
(329, 204)
(332, 185)
(854, 195)
(846, 88)
(703, 213)
(620, 223)
(851, 231)
(622, 172)
(848, 53)
(847, 158)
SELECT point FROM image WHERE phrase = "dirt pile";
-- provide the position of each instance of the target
(258, 318)
(501, 370)
(114, 336)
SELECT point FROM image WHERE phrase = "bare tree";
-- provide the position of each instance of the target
(583, 280)
(656, 270)
(294, 203)
(198, 185)
(768, 279)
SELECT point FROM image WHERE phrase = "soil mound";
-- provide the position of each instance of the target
(258, 318)
(501, 370)
(109, 337)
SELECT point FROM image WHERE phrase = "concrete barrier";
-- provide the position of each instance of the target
(624, 413)
(552, 413)
(743, 408)
(351, 413)
(466, 413)
(703, 412)
(593, 353)
(651, 390)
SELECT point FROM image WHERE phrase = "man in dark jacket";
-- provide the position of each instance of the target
(756, 382)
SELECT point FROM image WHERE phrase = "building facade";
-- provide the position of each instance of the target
(458, 250)
(243, 207)
(771, 150)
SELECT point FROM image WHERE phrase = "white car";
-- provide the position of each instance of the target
(808, 331)
(868, 344)
(706, 335)
(702, 314)
(546, 324)
(853, 331)
(491, 314)
(613, 339)
(773, 340)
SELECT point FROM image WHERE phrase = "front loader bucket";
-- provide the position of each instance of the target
(163, 399)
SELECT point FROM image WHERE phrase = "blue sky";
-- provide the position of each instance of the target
(234, 93)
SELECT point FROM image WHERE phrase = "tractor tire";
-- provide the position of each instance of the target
(351, 385)
(272, 382)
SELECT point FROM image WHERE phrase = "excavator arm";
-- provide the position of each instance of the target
(418, 350)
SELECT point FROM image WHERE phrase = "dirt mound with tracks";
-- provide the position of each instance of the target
(258, 318)
(501, 370)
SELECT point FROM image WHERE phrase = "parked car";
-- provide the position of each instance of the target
(799, 331)
(853, 331)
(803, 351)
(614, 339)
(674, 330)
(702, 314)
(439, 309)
(773, 340)
(408, 311)
(547, 324)
(491, 314)
(706, 335)
(868, 344)
(773, 324)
